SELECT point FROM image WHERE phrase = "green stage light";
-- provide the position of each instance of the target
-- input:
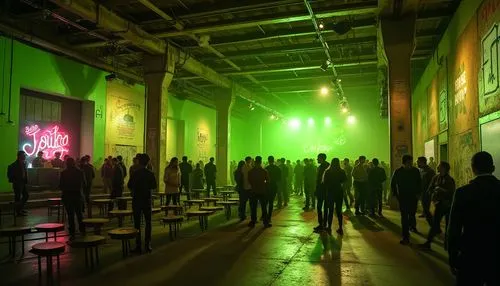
(294, 123)
(328, 121)
(351, 119)
(324, 91)
(310, 122)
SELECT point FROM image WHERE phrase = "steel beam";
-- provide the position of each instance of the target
(162, 14)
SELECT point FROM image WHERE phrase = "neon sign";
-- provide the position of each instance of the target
(49, 140)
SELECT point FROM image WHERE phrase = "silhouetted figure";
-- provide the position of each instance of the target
(360, 177)
(107, 174)
(89, 172)
(283, 194)
(441, 190)
(39, 161)
(238, 178)
(117, 182)
(245, 193)
(142, 182)
(135, 165)
(376, 179)
(18, 177)
(122, 165)
(57, 162)
(210, 176)
(348, 197)
(258, 179)
(321, 193)
(274, 173)
(309, 184)
(186, 170)
(172, 180)
(197, 178)
(406, 185)
(289, 180)
(432, 164)
(474, 227)
(333, 178)
(427, 173)
(71, 182)
(232, 168)
(298, 172)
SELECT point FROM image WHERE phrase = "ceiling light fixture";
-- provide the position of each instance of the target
(324, 91)
(325, 65)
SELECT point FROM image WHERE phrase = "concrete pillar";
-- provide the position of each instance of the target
(399, 40)
(158, 74)
(224, 100)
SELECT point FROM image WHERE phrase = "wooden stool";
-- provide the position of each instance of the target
(178, 210)
(96, 223)
(123, 200)
(12, 233)
(219, 189)
(190, 203)
(120, 214)
(55, 204)
(48, 250)
(233, 199)
(174, 221)
(125, 235)
(213, 209)
(155, 211)
(226, 194)
(50, 227)
(211, 200)
(202, 217)
(163, 197)
(227, 206)
(196, 193)
(103, 205)
(89, 243)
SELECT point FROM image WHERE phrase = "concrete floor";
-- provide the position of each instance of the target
(230, 253)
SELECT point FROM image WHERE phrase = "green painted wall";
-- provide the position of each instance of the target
(45, 72)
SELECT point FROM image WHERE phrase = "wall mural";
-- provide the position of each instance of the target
(460, 161)
(443, 96)
(433, 108)
(202, 137)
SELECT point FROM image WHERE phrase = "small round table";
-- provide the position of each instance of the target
(227, 206)
(125, 200)
(48, 250)
(103, 205)
(214, 209)
(226, 194)
(211, 200)
(191, 202)
(89, 243)
(197, 193)
(178, 210)
(202, 217)
(12, 233)
(50, 227)
(120, 214)
(96, 223)
(125, 235)
(174, 223)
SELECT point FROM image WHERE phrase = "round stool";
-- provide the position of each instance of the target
(103, 205)
(125, 235)
(89, 243)
(96, 223)
(174, 223)
(48, 250)
(211, 200)
(12, 233)
(178, 210)
(49, 227)
(227, 207)
(202, 217)
(120, 214)
(213, 209)
(192, 202)
(155, 210)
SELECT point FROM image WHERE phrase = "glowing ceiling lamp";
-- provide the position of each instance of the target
(351, 119)
(310, 122)
(324, 91)
(328, 121)
(294, 123)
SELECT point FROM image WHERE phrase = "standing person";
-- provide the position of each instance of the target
(283, 194)
(18, 177)
(321, 193)
(238, 178)
(360, 176)
(107, 175)
(142, 182)
(117, 182)
(289, 182)
(197, 177)
(89, 173)
(309, 184)
(348, 197)
(333, 178)
(274, 173)
(406, 186)
(172, 179)
(186, 170)
(122, 165)
(258, 179)
(376, 179)
(427, 173)
(71, 183)
(39, 161)
(57, 162)
(135, 165)
(432, 164)
(387, 183)
(474, 227)
(299, 178)
(441, 190)
(232, 168)
(210, 176)
(245, 193)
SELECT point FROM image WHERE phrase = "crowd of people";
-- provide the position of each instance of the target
(472, 221)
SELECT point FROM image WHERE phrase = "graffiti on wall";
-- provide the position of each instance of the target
(460, 163)
(202, 144)
(489, 81)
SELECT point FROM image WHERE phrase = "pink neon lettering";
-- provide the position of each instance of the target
(50, 141)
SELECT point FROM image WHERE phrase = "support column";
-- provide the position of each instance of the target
(158, 74)
(399, 42)
(223, 103)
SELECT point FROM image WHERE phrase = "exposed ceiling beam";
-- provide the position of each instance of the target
(341, 10)
(178, 25)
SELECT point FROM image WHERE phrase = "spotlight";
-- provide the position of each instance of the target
(351, 119)
(251, 107)
(273, 117)
(324, 91)
(310, 122)
(345, 110)
(325, 65)
(110, 76)
(294, 123)
(328, 121)
(321, 26)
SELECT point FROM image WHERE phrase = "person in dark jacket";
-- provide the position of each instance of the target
(117, 182)
(210, 175)
(197, 177)
(142, 182)
(72, 181)
(18, 177)
(122, 165)
(89, 172)
(283, 194)
(39, 161)
(321, 193)
(376, 179)
(333, 178)
(406, 185)
(309, 184)
(57, 162)
(135, 166)
(258, 179)
(427, 173)
(186, 170)
(474, 227)
(441, 190)
(238, 177)
(274, 173)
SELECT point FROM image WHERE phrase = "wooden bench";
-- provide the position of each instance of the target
(202, 217)
(95, 223)
(125, 235)
(120, 214)
(91, 244)
(48, 250)
(227, 207)
(12, 233)
(174, 224)
(178, 210)
(50, 227)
